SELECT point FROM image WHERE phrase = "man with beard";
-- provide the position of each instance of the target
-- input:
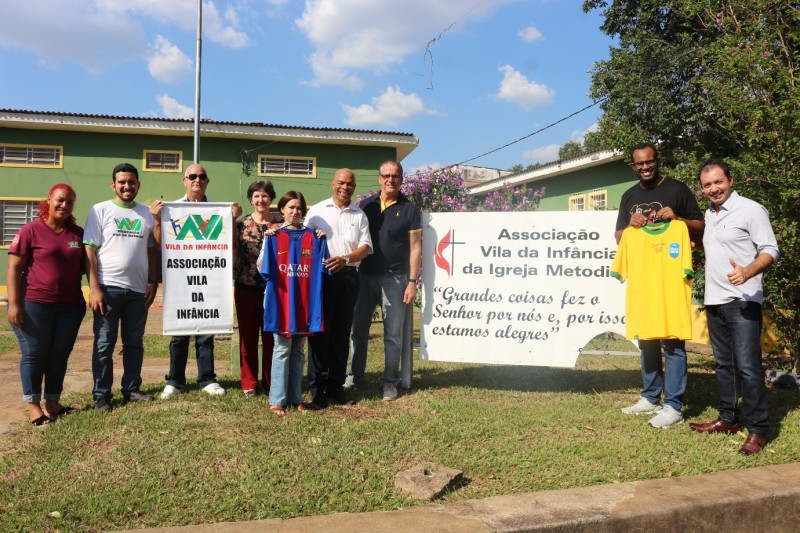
(122, 270)
(739, 246)
(657, 198)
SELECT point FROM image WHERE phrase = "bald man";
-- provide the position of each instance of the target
(347, 231)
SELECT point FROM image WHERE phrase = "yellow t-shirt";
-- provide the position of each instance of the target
(656, 260)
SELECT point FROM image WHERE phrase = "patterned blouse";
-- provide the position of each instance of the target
(251, 238)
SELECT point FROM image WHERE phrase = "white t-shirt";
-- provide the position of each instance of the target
(121, 236)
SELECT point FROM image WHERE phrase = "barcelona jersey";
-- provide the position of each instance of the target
(293, 267)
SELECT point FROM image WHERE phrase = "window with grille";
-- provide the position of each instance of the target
(598, 200)
(162, 161)
(577, 202)
(18, 155)
(15, 213)
(274, 165)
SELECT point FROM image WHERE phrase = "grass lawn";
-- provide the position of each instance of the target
(196, 458)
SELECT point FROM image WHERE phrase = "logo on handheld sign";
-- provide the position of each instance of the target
(197, 228)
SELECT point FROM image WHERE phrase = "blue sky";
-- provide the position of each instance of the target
(494, 70)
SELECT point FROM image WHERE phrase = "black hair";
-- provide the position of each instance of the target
(124, 167)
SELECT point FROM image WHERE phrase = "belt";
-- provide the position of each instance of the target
(347, 269)
(251, 288)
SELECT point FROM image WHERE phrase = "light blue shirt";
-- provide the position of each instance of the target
(740, 231)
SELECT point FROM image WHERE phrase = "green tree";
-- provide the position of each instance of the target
(720, 78)
(570, 149)
(593, 142)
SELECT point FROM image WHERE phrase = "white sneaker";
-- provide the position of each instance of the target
(668, 417)
(641, 407)
(214, 389)
(389, 393)
(349, 382)
(169, 391)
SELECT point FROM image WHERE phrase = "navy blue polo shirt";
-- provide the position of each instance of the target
(389, 228)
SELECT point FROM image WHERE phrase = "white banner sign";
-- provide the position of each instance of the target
(518, 288)
(197, 266)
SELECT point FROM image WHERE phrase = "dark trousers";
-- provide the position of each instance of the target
(179, 355)
(328, 351)
(735, 332)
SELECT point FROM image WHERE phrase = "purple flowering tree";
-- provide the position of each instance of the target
(510, 198)
(443, 191)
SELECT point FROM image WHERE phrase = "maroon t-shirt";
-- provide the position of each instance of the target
(54, 265)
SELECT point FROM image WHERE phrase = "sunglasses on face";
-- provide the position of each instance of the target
(192, 177)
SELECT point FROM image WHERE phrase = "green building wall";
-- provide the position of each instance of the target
(232, 164)
(615, 178)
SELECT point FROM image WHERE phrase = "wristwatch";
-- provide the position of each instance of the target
(346, 260)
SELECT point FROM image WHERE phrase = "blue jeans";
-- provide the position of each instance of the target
(735, 331)
(674, 382)
(179, 355)
(45, 339)
(287, 370)
(126, 314)
(387, 290)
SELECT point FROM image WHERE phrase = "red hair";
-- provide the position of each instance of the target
(44, 205)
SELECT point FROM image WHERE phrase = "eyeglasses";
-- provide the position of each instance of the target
(643, 164)
(391, 176)
(192, 177)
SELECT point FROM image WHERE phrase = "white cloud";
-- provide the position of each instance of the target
(216, 30)
(542, 154)
(530, 34)
(168, 63)
(71, 31)
(387, 109)
(516, 88)
(220, 29)
(578, 135)
(353, 35)
(101, 34)
(170, 107)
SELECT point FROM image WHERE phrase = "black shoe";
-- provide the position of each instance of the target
(136, 396)
(320, 401)
(103, 404)
(341, 398)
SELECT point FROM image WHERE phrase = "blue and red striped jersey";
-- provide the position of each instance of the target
(293, 266)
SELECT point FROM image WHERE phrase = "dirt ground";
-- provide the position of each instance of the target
(79, 369)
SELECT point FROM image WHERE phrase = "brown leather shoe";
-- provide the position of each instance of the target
(717, 426)
(753, 444)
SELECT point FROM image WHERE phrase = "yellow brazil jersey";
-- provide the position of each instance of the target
(656, 261)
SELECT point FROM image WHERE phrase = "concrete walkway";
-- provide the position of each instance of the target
(752, 500)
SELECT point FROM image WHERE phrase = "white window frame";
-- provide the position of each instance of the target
(23, 210)
(178, 167)
(31, 155)
(291, 166)
(576, 199)
(597, 197)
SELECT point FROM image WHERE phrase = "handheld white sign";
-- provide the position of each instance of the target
(197, 266)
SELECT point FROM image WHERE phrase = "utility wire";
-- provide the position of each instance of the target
(559, 121)
(429, 54)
